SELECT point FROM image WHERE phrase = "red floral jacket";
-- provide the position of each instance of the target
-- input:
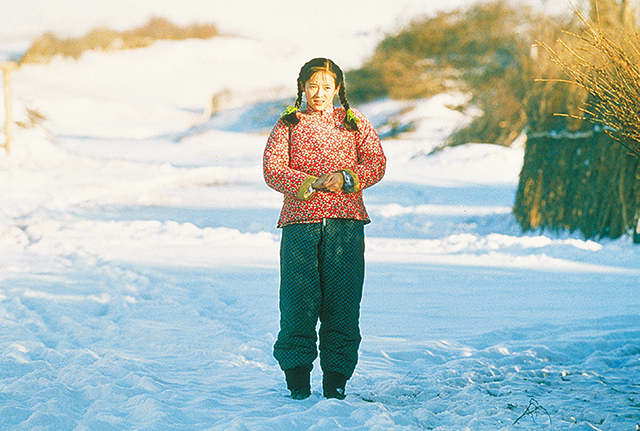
(296, 156)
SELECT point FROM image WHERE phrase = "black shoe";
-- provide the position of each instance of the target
(333, 385)
(300, 394)
(299, 382)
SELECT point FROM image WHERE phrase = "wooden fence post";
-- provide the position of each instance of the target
(8, 99)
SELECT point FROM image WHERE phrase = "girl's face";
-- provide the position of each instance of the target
(320, 90)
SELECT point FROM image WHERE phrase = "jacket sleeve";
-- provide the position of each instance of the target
(372, 162)
(276, 170)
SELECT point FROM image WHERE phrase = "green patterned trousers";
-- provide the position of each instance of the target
(321, 278)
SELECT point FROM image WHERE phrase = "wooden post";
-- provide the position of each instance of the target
(8, 126)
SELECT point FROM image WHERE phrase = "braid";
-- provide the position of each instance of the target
(350, 120)
(299, 96)
(290, 116)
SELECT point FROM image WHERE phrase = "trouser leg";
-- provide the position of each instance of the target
(342, 278)
(300, 296)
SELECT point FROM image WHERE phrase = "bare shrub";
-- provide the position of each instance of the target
(607, 65)
(485, 50)
(158, 28)
(46, 47)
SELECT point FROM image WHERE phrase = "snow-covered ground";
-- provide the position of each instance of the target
(139, 275)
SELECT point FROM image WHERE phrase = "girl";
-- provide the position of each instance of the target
(321, 158)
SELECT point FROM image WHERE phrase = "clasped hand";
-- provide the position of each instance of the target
(332, 182)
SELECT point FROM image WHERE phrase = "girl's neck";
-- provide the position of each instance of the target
(311, 110)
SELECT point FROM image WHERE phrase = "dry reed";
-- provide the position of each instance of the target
(607, 65)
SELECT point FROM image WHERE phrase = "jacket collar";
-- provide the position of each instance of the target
(310, 111)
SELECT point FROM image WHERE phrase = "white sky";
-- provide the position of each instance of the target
(249, 17)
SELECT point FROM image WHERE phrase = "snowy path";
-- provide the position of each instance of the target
(116, 346)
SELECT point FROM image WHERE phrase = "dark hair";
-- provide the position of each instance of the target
(306, 72)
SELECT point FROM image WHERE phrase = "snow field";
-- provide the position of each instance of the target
(139, 281)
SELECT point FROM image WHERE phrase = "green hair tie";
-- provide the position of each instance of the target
(351, 117)
(288, 111)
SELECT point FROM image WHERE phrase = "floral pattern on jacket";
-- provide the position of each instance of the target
(296, 156)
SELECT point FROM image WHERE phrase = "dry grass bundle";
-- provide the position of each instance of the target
(607, 66)
(104, 39)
